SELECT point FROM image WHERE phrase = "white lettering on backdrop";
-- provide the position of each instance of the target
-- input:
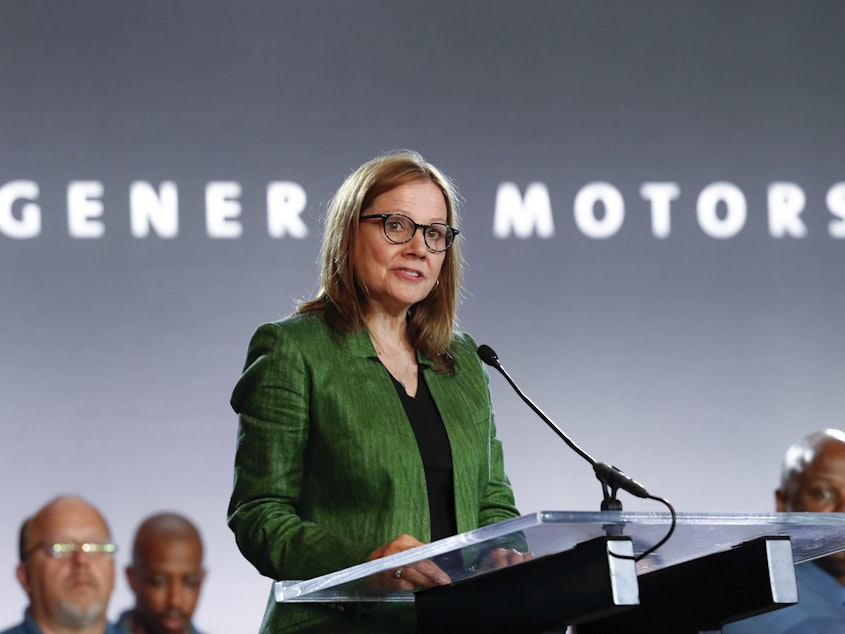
(152, 211)
(598, 210)
(721, 210)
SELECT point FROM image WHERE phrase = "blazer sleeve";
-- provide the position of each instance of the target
(497, 504)
(271, 400)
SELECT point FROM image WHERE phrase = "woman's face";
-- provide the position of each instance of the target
(398, 276)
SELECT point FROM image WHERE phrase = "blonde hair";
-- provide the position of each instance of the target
(342, 299)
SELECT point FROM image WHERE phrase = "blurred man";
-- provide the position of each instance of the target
(813, 480)
(166, 575)
(67, 569)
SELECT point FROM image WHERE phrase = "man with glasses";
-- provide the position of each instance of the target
(812, 480)
(67, 569)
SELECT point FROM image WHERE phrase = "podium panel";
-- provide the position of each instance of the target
(545, 533)
(701, 594)
(592, 580)
(582, 571)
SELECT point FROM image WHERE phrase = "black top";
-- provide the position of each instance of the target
(436, 456)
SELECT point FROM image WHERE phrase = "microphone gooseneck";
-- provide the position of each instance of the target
(610, 477)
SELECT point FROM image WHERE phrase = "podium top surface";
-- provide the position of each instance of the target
(547, 532)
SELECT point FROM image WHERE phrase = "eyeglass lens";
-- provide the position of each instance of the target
(65, 550)
(400, 229)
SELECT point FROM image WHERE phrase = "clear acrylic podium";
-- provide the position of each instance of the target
(716, 568)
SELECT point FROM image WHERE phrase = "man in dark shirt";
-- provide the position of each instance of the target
(166, 576)
(812, 480)
(66, 568)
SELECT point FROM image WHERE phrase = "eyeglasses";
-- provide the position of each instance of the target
(66, 550)
(399, 229)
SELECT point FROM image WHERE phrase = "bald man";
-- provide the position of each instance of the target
(66, 569)
(166, 576)
(812, 480)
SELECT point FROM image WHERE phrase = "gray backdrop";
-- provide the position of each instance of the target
(688, 353)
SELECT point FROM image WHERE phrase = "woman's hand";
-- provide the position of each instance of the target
(501, 557)
(420, 574)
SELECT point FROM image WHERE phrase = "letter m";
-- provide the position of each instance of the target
(523, 216)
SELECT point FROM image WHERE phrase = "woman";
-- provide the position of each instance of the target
(365, 422)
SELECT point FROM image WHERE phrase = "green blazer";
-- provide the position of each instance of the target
(327, 467)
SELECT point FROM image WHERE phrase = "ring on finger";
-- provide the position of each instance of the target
(398, 573)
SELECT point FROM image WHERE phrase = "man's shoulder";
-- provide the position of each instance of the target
(122, 625)
(27, 626)
(817, 610)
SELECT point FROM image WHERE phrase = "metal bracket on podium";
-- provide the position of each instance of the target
(703, 594)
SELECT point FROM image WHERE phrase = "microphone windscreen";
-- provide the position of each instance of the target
(488, 355)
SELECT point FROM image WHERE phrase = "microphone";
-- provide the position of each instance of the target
(611, 478)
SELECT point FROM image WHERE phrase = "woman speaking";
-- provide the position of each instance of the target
(365, 425)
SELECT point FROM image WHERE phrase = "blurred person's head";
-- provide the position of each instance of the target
(166, 574)
(813, 480)
(67, 565)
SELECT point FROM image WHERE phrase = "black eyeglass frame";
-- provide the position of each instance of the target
(417, 225)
